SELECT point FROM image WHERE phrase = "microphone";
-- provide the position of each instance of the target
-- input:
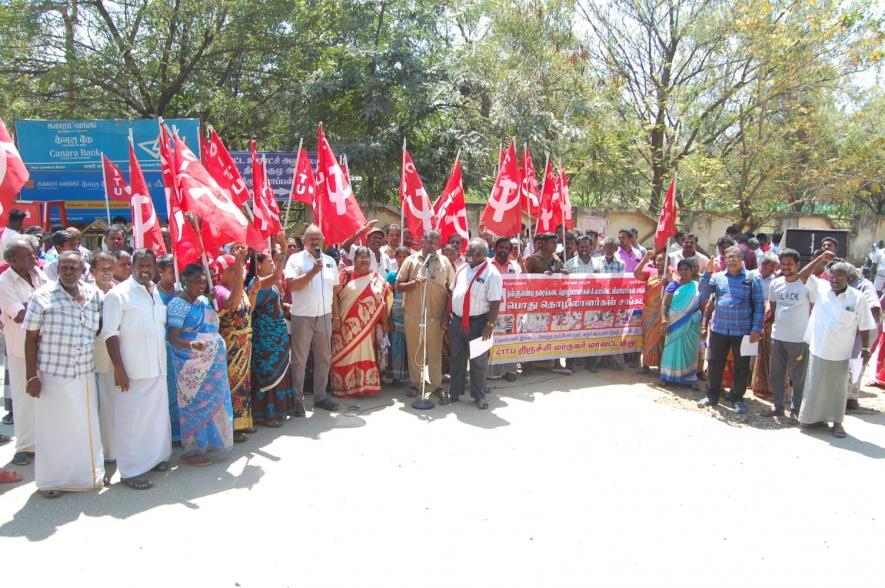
(426, 267)
(316, 252)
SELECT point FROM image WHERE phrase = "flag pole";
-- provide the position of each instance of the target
(402, 201)
(292, 190)
(525, 150)
(104, 179)
(169, 219)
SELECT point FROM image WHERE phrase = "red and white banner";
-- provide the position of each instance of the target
(550, 317)
(115, 186)
(503, 214)
(547, 215)
(267, 215)
(450, 209)
(340, 214)
(417, 211)
(146, 232)
(13, 174)
(304, 184)
(185, 241)
(565, 200)
(531, 196)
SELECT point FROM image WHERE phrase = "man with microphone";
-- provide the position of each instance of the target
(425, 278)
(310, 277)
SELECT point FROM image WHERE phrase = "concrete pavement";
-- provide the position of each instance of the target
(565, 481)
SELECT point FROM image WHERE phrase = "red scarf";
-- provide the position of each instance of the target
(465, 317)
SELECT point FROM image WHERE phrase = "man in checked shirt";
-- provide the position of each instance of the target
(738, 312)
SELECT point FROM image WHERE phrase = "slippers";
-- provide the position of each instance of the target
(163, 466)
(8, 476)
(138, 483)
(22, 458)
(49, 493)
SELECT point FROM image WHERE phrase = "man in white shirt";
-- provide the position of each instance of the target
(13, 228)
(878, 268)
(311, 277)
(790, 303)
(839, 314)
(689, 251)
(16, 286)
(476, 297)
(134, 330)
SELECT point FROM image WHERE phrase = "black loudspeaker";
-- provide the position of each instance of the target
(806, 241)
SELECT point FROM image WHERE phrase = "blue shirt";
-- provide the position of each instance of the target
(740, 304)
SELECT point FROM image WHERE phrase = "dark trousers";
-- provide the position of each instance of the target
(720, 345)
(459, 353)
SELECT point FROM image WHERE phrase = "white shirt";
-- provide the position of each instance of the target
(138, 318)
(103, 364)
(678, 256)
(835, 322)
(14, 294)
(792, 309)
(315, 299)
(488, 287)
(879, 262)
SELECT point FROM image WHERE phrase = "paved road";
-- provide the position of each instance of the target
(566, 481)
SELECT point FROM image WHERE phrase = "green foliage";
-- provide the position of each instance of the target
(751, 103)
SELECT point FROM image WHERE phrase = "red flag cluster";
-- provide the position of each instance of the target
(13, 174)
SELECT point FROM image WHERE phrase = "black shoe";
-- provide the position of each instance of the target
(326, 404)
(299, 410)
(510, 376)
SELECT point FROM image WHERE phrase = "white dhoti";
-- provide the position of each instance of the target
(23, 405)
(826, 390)
(67, 434)
(107, 391)
(142, 433)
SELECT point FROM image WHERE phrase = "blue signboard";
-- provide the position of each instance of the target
(64, 160)
(280, 168)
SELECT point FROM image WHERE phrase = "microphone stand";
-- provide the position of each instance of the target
(423, 402)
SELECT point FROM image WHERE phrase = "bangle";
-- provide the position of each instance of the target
(31, 380)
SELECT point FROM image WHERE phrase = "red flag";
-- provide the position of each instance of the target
(531, 198)
(565, 200)
(267, 221)
(417, 211)
(503, 214)
(221, 167)
(340, 214)
(667, 220)
(204, 151)
(201, 195)
(145, 224)
(13, 174)
(304, 185)
(450, 209)
(114, 183)
(185, 241)
(549, 202)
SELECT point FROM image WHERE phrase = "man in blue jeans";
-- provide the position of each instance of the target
(738, 312)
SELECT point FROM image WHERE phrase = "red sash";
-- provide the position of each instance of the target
(465, 317)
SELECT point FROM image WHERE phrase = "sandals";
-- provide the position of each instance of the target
(199, 461)
(839, 431)
(163, 466)
(8, 476)
(138, 483)
(23, 458)
(240, 437)
(50, 493)
(4, 439)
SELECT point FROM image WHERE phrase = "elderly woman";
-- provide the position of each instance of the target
(364, 301)
(200, 364)
(841, 314)
(652, 331)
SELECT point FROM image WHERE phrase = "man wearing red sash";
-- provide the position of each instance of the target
(476, 297)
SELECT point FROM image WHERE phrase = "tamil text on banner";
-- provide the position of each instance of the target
(549, 317)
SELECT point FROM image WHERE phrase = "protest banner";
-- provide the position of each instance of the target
(550, 317)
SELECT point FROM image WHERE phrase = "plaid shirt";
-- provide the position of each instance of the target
(67, 332)
(740, 302)
(601, 266)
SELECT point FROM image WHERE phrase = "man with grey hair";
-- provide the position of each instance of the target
(425, 278)
(61, 324)
(768, 266)
(476, 297)
(311, 277)
(17, 284)
(841, 314)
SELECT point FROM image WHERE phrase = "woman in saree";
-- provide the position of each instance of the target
(199, 362)
(363, 299)
(682, 323)
(167, 289)
(273, 398)
(399, 360)
(652, 331)
(235, 326)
